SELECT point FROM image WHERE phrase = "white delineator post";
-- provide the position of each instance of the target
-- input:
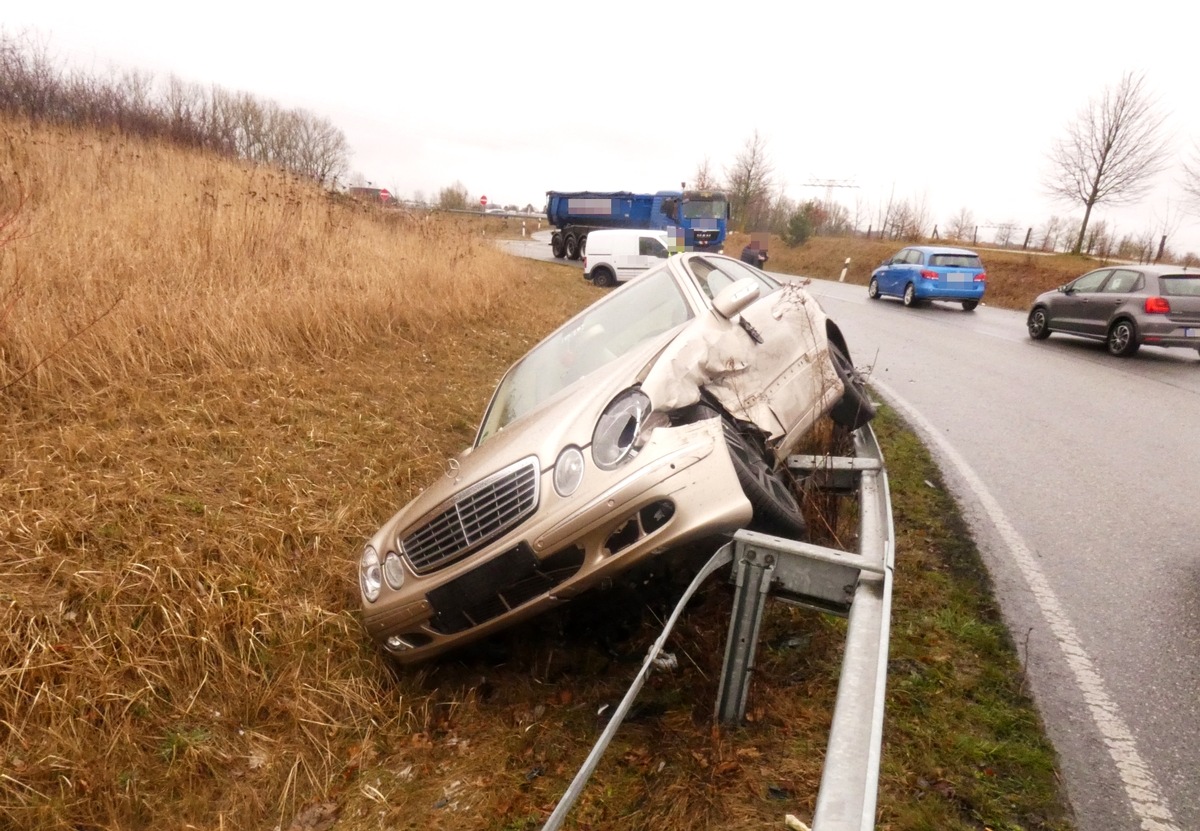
(845, 268)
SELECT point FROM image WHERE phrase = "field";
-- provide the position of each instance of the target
(215, 382)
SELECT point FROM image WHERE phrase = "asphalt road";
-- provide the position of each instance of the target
(1078, 474)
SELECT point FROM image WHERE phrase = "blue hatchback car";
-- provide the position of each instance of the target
(929, 272)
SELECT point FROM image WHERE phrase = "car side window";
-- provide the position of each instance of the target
(650, 247)
(1123, 281)
(714, 276)
(916, 257)
(902, 257)
(1091, 282)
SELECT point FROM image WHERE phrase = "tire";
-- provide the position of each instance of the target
(572, 247)
(603, 277)
(873, 289)
(1038, 324)
(558, 247)
(854, 409)
(969, 305)
(910, 296)
(583, 245)
(776, 510)
(1122, 338)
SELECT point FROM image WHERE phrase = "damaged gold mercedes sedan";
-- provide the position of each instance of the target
(662, 414)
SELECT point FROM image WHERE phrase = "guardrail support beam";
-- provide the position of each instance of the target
(754, 570)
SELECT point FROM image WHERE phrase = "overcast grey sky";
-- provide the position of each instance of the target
(953, 103)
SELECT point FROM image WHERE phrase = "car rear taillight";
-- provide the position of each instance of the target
(585, 262)
(929, 275)
(981, 277)
(1157, 306)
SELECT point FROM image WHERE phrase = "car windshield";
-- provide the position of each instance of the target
(629, 316)
(955, 260)
(1180, 285)
(694, 208)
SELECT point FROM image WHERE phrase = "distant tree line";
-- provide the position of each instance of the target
(1109, 155)
(234, 124)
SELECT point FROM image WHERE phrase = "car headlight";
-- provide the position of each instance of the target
(568, 471)
(393, 570)
(370, 575)
(615, 439)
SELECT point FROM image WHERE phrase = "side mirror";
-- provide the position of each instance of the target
(732, 299)
(1064, 288)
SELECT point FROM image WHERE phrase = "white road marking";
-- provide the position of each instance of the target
(1145, 795)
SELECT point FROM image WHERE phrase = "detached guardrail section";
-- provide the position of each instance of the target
(857, 585)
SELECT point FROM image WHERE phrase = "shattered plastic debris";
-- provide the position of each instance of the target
(666, 661)
(792, 822)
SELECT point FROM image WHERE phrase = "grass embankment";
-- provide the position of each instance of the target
(1014, 277)
(185, 485)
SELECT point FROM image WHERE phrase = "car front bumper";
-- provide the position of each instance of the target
(681, 486)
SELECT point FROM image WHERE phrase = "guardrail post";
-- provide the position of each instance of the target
(754, 572)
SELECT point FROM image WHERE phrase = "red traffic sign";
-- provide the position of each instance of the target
(384, 195)
(483, 201)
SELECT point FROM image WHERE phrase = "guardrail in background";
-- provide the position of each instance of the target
(858, 585)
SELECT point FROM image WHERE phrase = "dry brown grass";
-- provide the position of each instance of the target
(194, 262)
(184, 489)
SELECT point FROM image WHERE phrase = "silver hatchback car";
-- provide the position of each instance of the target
(1125, 306)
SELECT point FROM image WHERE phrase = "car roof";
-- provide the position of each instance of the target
(942, 249)
(1154, 269)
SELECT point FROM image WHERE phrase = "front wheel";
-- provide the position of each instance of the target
(1038, 324)
(910, 295)
(873, 289)
(602, 277)
(854, 409)
(776, 510)
(1122, 338)
(969, 305)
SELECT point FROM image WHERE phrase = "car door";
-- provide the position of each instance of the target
(651, 251)
(784, 381)
(1117, 293)
(1072, 310)
(890, 281)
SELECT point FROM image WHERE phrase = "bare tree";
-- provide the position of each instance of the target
(1049, 233)
(453, 197)
(704, 178)
(1004, 233)
(748, 185)
(1098, 240)
(961, 225)
(1191, 179)
(1111, 151)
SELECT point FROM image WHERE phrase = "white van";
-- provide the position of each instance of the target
(614, 255)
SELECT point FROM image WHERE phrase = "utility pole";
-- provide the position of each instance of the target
(829, 185)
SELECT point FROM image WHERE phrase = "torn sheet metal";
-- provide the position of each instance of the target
(787, 379)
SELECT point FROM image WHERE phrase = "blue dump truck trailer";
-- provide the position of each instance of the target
(694, 219)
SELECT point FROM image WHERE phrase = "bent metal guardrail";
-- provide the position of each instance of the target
(856, 584)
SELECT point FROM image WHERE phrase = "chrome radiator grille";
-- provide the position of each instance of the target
(474, 517)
